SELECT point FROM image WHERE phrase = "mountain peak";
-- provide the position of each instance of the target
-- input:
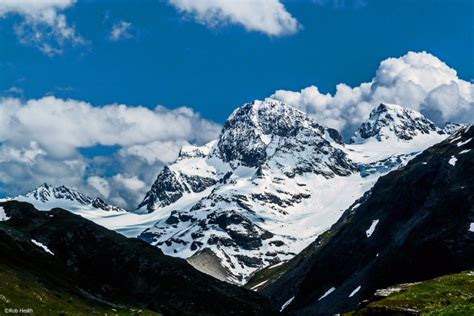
(394, 121)
(252, 127)
(269, 116)
(47, 193)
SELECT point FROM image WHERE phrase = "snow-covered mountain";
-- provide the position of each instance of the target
(271, 183)
(393, 134)
(46, 197)
(391, 121)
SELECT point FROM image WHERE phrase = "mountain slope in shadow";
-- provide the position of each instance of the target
(71, 255)
(415, 224)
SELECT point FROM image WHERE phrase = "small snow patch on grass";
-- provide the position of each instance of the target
(465, 151)
(276, 265)
(452, 161)
(258, 285)
(355, 291)
(286, 304)
(371, 229)
(46, 249)
(471, 227)
(327, 293)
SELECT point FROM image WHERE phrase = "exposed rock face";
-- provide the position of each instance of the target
(416, 223)
(259, 133)
(451, 128)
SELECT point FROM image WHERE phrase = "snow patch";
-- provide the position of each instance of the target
(465, 151)
(371, 229)
(471, 227)
(327, 293)
(276, 265)
(452, 161)
(286, 304)
(46, 249)
(258, 285)
(3, 215)
(266, 139)
(464, 142)
(355, 291)
(355, 206)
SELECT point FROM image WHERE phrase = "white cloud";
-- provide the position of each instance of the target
(419, 81)
(61, 126)
(265, 16)
(120, 30)
(166, 151)
(25, 155)
(130, 183)
(100, 184)
(40, 141)
(43, 24)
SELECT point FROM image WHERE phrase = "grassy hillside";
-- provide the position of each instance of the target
(447, 295)
(22, 290)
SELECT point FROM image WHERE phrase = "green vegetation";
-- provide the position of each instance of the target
(24, 292)
(266, 275)
(447, 295)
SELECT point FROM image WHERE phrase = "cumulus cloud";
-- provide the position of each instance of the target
(100, 184)
(120, 30)
(40, 141)
(59, 125)
(417, 80)
(43, 24)
(165, 151)
(266, 16)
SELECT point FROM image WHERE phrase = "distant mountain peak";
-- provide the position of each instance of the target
(394, 121)
(451, 128)
(46, 193)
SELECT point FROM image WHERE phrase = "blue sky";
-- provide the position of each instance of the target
(174, 61)
(99, 95)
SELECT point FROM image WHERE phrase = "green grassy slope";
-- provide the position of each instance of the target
(448, 295)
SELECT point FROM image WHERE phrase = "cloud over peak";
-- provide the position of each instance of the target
(417, 80)
(41, 141)
(266, 16)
